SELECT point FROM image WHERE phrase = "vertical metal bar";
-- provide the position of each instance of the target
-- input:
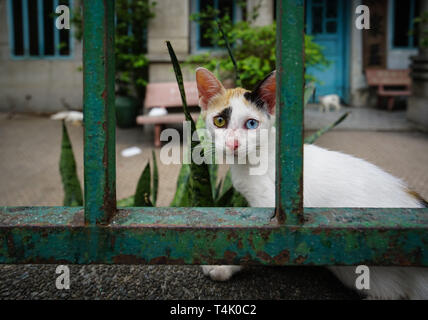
(99, 115)
(41, 27)
(289, 108)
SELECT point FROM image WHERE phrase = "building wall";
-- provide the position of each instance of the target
(171, 22)
(44, 85)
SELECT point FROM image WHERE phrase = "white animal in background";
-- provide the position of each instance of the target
(75, 117)
(329, 100)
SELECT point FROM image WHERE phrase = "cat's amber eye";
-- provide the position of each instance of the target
(219, 121)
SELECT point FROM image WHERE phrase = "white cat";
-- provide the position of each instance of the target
(331, 179)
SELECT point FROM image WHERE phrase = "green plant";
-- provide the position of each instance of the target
(130, 43)
(422, 22)
(253, 48)
(67, 168)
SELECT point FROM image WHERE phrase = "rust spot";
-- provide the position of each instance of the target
(78, 219)
(10, 243)
(231, 212)
(128, 259)
(263, 256)
(104, 94)
(282, 258)
(230, 256)
(240, 245)
(300, 260)
(167, 260)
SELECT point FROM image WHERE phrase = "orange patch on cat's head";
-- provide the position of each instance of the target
(224, 100)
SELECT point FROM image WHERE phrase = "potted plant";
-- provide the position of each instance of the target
(130, 56)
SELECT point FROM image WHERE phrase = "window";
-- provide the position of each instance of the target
(226, 7)
(404, 33)
(32, 29)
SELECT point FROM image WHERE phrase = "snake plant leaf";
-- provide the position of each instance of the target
(208, 147)
(126, 202)
(155, 179)
(181, 197)
(179, 77)
(312, 138)
(227, 182)
(229, 50)
(67, 168)
(200, 189)
(217, 191)
(238, 200)
(142, 194)
(226, 198)
(309, 91)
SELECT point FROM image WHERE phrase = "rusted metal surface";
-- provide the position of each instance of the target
(289, 111)
(216, 236)
(99, 116)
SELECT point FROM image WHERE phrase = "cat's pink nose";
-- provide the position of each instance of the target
(232, 144)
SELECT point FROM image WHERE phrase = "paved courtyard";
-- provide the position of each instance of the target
(30, 148)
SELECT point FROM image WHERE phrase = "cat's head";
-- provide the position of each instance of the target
(236, 117)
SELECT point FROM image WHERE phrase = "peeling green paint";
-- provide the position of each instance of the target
(289, 111)
(215, 236)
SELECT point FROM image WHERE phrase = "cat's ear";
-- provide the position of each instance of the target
(264, 94)
(208, 87)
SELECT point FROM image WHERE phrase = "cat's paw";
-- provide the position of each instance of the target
(220, 273)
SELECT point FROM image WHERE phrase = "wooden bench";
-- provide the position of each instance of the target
(382, 78)
(167, 95)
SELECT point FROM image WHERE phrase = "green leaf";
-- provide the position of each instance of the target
(311, 139)
(226, 199)
(181, 197)
(179, 77)
(142, 194)
(238, 200)
(126, 202)
(217, 191)
(200, 189)
(309, 91)
(67, 168)
(229, 50)
(155, 179)
(227, 182)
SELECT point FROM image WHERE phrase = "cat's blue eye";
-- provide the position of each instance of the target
(251, 124)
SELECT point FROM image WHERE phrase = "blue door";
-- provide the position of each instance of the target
(326, 21)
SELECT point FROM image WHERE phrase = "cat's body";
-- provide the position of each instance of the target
(331, 179)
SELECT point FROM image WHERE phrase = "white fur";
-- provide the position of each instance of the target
(331, 179)
(331, 100)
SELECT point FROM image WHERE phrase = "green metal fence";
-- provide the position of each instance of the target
(287, 235)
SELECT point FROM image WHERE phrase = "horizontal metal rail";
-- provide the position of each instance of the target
(331, 236)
